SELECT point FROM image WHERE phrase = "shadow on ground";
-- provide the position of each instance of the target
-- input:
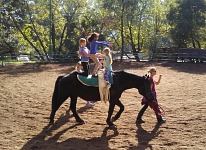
(144, 137)
(17, 70)
(45, 140)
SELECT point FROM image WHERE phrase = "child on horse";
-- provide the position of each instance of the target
(108, 65)
(94, 43)
(84, 53)
(154, 104)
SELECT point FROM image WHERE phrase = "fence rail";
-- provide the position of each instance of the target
(194, 56)
(180, 57)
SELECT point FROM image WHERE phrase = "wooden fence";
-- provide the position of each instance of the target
(182, 55)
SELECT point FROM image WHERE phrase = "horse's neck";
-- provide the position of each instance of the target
(130, 81)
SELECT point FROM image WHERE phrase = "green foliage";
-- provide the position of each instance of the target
(187, 19)
(29, 26)
(10, 10)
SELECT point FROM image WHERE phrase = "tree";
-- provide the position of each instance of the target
(17, 16)
(9, 9)
(143, 22)
(135, 19)
(187, 19)
(74, 29)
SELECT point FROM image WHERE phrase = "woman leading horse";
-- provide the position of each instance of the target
(70, 86)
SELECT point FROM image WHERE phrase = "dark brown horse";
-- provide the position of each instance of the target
(70, 86)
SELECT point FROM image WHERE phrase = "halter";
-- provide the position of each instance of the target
(147, 93)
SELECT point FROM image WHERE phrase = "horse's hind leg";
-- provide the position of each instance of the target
(73, 109)
(121, 106)
(56, 103)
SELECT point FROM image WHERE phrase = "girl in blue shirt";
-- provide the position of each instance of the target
(94, 43)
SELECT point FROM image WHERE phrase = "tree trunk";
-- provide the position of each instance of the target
(132, 42)
(25, 37)
(139, 31)
(115, 39)
(198, 43)
(53, 34)
(37, 34)
(138, 40)
(62, 36)
(122, 30)
(193, 43)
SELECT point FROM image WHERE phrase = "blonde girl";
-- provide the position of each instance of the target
(84, 53)
(154, 104)
(108, 65)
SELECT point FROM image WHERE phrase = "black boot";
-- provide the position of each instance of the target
(141, 112)
(160, 119)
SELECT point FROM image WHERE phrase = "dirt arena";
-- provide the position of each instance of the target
(25, 104)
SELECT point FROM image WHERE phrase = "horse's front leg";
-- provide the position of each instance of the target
(121, 106)
(110, 112)
(73, 104)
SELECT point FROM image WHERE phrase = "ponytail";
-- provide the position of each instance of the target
(90, 39)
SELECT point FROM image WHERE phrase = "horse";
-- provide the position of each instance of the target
(69, 86)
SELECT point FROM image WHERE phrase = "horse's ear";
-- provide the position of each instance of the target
(146, 76)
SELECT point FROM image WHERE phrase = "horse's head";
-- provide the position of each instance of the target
(145, 90)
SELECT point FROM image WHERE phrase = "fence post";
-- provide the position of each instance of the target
(2, 60)
(30, 56)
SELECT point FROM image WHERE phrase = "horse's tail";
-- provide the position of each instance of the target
(56, 88)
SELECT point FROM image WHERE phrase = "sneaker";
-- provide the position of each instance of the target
(94, 75)
(139, 121)
(89, 104)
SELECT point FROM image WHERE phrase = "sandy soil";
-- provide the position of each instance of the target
(25, 104)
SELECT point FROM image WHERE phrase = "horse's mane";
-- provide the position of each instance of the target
(126, 74)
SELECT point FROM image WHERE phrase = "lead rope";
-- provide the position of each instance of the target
(161, 110)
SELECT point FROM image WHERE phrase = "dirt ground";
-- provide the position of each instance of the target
(25, 105)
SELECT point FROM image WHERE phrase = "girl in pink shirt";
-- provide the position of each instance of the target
(154, 104)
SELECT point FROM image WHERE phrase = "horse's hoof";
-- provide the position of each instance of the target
(81, 122)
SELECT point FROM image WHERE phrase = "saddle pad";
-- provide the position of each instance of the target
(88, 81)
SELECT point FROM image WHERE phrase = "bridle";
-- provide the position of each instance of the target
(147, 93)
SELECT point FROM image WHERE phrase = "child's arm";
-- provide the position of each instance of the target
(103, 43)
(98, 55)
(157, 82)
